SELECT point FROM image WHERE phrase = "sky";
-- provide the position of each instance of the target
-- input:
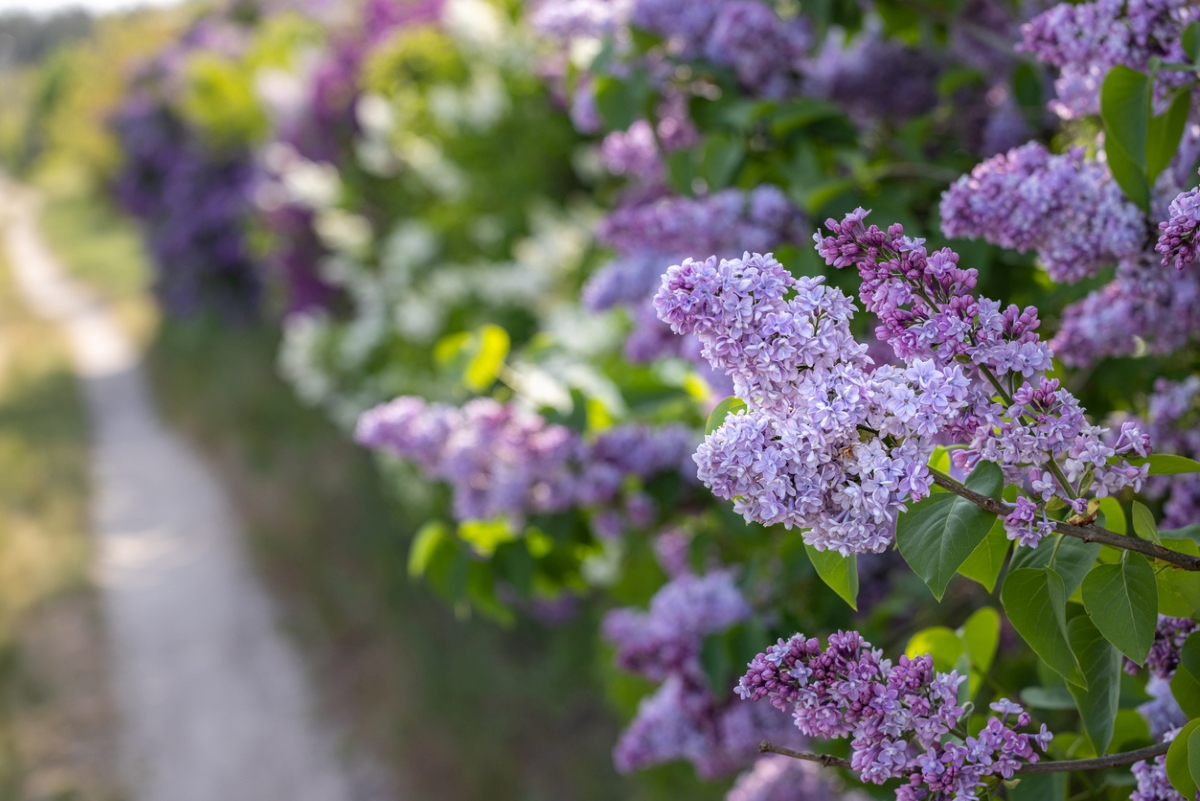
(97, 6)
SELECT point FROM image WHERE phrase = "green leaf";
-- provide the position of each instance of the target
(681, 171)
(1143, 523)
(1191, 41)
(1122, 600)
(1128, 175)
(620, 102)
(839, 572)
(1102, 668)
(986, 561)
(1039, 787)
(1164, 133)
(722, 157)
(475, 357)
(1193, 757)
(1073, 560)
(486, 535)
(1185, 684)
(939, 533)
(1053, 698)
(981, 635)
(425, 544)
(1179, 769)
(1114, 515)
(941, 643)
(1178, 589)
(1125, 110)
(717, 663)
(1168, 464)
(487, 359)
(731, 405)
(1035, 601)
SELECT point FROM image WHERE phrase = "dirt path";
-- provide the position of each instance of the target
(214, 701)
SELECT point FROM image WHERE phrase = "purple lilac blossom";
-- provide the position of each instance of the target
(193, 201)
(762, 218)
(1174, 420)
(895, 714)
(502, 461)
(666, 638)
(764, 51)
(799, 457)
(1177, 243)
(1144, 308)
(1169, 637)
(1152, 781)
(926, 311)
(683, 719)
(1067, 209)
(779, 778)
(848, 74)
(1086, 40)
(1163, 713)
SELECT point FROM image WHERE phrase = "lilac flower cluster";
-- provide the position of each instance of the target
(799, 457)
(1169, 637)
(1069, 210)
(193, 201)
(1036, 432)
(1152, 781)
(895, 714)
(1174, 415)
(781, 778)
(762, 218)
(1177, 243)
(1144, 309)
(1086, 40)
(848, 74)
(683, 719)
(1162, 714)
(501, 461)
(649, 237)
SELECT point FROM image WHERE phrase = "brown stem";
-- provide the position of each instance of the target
(1110, 761)
(1063, 766)
(1088, 533)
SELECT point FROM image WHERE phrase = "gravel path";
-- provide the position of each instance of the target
(214, 702)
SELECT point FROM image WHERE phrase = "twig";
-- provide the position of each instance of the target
(1063, 766)
(1088, 533)
(828, 760)
(1110, 761)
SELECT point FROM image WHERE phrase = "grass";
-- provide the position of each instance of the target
(458, 710)
(55, 716)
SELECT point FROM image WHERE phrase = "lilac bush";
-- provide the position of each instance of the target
(895, 714)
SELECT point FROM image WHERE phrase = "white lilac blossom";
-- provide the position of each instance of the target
(816, 449)
(896, 715)
(1066, 208)
(501, 461)
(683, 718)
(1084, 41)
(1016, 417)
(1177, 243)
